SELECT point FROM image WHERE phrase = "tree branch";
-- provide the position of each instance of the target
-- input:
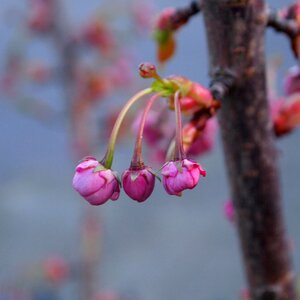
(250, 154)
(283, 25)
(182, 15)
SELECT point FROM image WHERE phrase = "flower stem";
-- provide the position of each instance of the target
(137, 154)
(108, 158)
(179, 153)
(158, 78)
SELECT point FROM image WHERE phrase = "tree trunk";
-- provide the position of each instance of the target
(235, 34)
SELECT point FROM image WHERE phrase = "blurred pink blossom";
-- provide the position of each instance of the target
(41, 15)
(55, 269)
(38, 71)
(292, 81)
(229, 211)
(98, 34)
(205, 142)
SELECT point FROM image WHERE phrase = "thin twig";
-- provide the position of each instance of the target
(182, 15)
(283, 25)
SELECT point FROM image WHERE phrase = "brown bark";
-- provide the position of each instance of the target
(235, 34)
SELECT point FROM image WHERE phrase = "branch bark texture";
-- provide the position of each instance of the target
(235, 34)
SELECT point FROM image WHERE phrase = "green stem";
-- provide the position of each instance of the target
(179, 152)
(137, 154)
(158, 78)
(108, 158)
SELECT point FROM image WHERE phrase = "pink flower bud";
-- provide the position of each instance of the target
(180, 175)
(147, 70)
(163, 20)
(96, 187)
(200, 94)
(285, 114)
(138, 184)
(195, 95)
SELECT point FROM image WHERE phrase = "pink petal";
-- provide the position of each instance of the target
(87, 182)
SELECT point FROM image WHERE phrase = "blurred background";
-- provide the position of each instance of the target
(66, 67)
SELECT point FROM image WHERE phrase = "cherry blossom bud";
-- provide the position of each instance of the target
(195, 96)
(95, 183)
(164, 20)
(200, 94)
(286, 114)
(147, 70)
(180, 175)
(138, 184)
(188, 104)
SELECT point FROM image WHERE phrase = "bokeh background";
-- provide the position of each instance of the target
(165, 248)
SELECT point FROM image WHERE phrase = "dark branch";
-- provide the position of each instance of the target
(283, 25)
(250, 154)
(182, 15)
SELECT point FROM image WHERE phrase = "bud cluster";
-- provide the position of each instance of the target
(97, 183)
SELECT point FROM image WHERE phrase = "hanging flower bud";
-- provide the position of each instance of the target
(95, 183)
(138, 183)
(180, 175)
